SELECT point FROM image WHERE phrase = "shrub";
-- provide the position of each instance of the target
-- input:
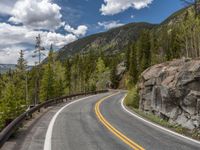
(132, 98)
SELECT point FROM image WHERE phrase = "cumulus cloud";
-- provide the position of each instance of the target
(27, 19)
(36, 14)
(8, 55)
(10, 34)
(20, 36)
(6, 6)
(110, 24)
(80, 31)
(111, 7)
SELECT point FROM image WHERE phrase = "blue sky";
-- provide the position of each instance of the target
(60, 22)
(87, 12)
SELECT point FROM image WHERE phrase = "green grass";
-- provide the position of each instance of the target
(159, 121)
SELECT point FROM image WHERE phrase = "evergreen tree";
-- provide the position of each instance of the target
(21, 63)
(144, 50)
(21, 78)
(59, 79)
(127, 57)
(68, 76)
(133, 70)
(113, 77)
(12, 104)
(47, 83)
(175, 45)
(48, 78)
(154, 48)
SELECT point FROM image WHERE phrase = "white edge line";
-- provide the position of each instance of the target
(47, 142)
(155, 125)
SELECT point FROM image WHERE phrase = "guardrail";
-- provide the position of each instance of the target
(15, 124)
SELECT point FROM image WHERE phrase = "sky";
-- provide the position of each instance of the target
(60, 22)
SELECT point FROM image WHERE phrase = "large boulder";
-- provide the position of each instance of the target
(172, 91)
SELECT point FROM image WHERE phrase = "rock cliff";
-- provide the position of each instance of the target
(171, 90)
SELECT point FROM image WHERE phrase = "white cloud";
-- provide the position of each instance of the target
(20, 36)
(10, 34)
(32, 17)
(8, 55)
(110, 24)
(132, 16)
(6, 6)
(111, 7)
(80, 31)
(36, 14)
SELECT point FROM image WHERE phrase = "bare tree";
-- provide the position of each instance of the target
(39, 49)
(39, 52)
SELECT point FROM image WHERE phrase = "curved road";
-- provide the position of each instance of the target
(96, 122)
(78, 127)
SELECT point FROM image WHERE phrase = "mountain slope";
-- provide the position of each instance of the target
(5, 67)
(117, 39)
(111, 41)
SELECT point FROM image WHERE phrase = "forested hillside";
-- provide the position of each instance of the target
(110, 42)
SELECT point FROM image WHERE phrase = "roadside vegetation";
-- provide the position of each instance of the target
(21, 87)
(132, 98)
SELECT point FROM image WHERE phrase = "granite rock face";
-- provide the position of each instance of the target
(171, 90)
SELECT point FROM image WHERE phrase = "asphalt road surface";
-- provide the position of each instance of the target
(78, 128)
(100, 123)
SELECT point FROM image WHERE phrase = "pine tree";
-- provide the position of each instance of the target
(155, 59)
(144, 50)
(127, 56)
(175, 45)
(21, 78)
(21, 63)
(113, 77)
(133, 70)
(47, 83)
(59, 79)
(12, 103)
(68, 76)
(48, 78)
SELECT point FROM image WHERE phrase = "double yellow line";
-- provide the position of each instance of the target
(113, 130)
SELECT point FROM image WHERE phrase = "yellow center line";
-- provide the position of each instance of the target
(113, 130)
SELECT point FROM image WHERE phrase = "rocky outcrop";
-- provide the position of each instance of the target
(171, 90)
(121, 69)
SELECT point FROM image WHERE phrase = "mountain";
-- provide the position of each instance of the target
(117, 39)
(110, 42)
(6, 67)
(177, 16)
